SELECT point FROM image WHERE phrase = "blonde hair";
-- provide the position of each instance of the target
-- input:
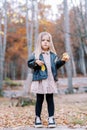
(38, 49)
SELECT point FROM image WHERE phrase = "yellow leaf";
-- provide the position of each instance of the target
(2, 33)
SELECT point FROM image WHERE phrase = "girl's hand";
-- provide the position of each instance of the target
(65, 57)
(39, 62)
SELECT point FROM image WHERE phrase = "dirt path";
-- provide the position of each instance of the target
(31, 128)
(76, 81)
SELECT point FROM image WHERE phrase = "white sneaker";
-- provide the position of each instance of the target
(38, 123)
(51, 122)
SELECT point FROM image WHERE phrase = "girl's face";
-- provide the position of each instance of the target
(45, 43)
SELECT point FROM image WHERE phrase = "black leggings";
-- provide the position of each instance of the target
(50, 104)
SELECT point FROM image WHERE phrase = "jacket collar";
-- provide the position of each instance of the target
(45, 52)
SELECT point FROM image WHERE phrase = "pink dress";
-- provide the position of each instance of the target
(47, 85)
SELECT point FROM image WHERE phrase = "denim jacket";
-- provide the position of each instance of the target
(38, 74)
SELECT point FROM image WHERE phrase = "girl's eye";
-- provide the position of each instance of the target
(48, 40)
(45, 40)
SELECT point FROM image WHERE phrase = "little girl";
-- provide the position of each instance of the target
(45, 63)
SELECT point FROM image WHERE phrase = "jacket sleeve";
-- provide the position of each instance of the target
(59, 62)
(31, 62)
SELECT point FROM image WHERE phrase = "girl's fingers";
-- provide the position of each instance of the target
(39, 62)
(65, 57)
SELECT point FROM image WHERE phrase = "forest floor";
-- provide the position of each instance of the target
(70, 111)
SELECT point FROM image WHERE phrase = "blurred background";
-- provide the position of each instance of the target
(20, 23)
(22, 20)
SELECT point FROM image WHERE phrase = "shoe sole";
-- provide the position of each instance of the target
(51, 126)
(38, 126)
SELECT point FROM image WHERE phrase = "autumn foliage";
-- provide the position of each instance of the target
(17, 49)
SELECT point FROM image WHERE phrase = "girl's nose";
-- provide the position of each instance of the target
(45, 41)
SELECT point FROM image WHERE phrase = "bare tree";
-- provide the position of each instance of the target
(86, 13)
(31, 30)
(29, 45)
(35, 21)
(68, 46)
(28, 29)
(81, 30)
(2, 39)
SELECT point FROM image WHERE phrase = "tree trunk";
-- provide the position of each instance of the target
(35, 22)
(81, 47)
(29, 33)
(3, 44)
(68, 46)
(5, 30)
(81, 31)
(86, 14)
(29, 44)
(22, 71)
(74, 67)
(82, 60)
(1, 58)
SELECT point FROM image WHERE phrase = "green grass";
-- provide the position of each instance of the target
(27, 103)
(11, 83)
(78, 121)
(1, 93)
(75, 121)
